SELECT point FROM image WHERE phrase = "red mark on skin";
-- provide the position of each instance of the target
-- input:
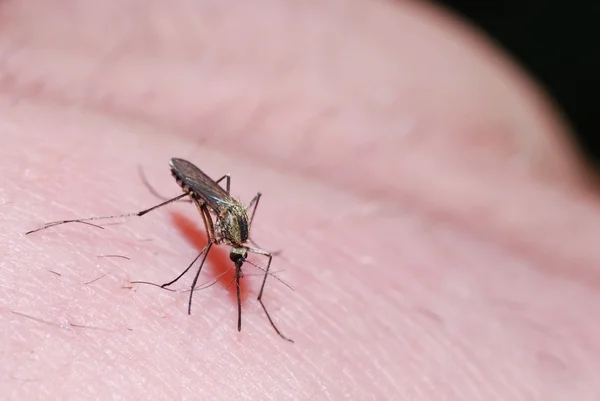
(218, 258)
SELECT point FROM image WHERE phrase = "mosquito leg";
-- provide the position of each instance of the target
(262, 288)
(253, 202)
(274, 253)
(203, 251)
(85, 221)
(228, 185)
(150, 187)
(208, 246)
(206, 218)
(209, 233)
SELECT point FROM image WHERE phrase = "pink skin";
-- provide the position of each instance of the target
(438, 229)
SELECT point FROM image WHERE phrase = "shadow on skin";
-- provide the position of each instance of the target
(217, 261)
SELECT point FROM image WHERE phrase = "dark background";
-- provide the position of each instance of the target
(558, 42)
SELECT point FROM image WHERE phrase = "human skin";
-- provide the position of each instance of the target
(436, 225)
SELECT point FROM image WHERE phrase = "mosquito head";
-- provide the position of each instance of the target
(238, 255)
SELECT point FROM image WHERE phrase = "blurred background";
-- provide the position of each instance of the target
(558, 42)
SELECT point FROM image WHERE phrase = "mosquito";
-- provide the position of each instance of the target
(231, 226)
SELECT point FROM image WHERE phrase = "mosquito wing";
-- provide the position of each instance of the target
(203, 186)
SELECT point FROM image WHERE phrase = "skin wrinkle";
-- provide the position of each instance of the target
(134, 114)
(513, 237)
(357, 311)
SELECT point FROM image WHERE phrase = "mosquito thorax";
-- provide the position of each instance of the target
(233, 225)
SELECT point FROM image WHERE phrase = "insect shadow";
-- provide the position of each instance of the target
(231, 226)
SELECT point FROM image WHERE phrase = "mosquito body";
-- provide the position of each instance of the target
(231, 225)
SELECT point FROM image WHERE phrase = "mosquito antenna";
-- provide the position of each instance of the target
(209, 283)
(259, 274)
(202, 286)
(206, 284)
(270, 274)
(231, 282)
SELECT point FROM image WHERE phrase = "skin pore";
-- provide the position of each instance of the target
(436, 225)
